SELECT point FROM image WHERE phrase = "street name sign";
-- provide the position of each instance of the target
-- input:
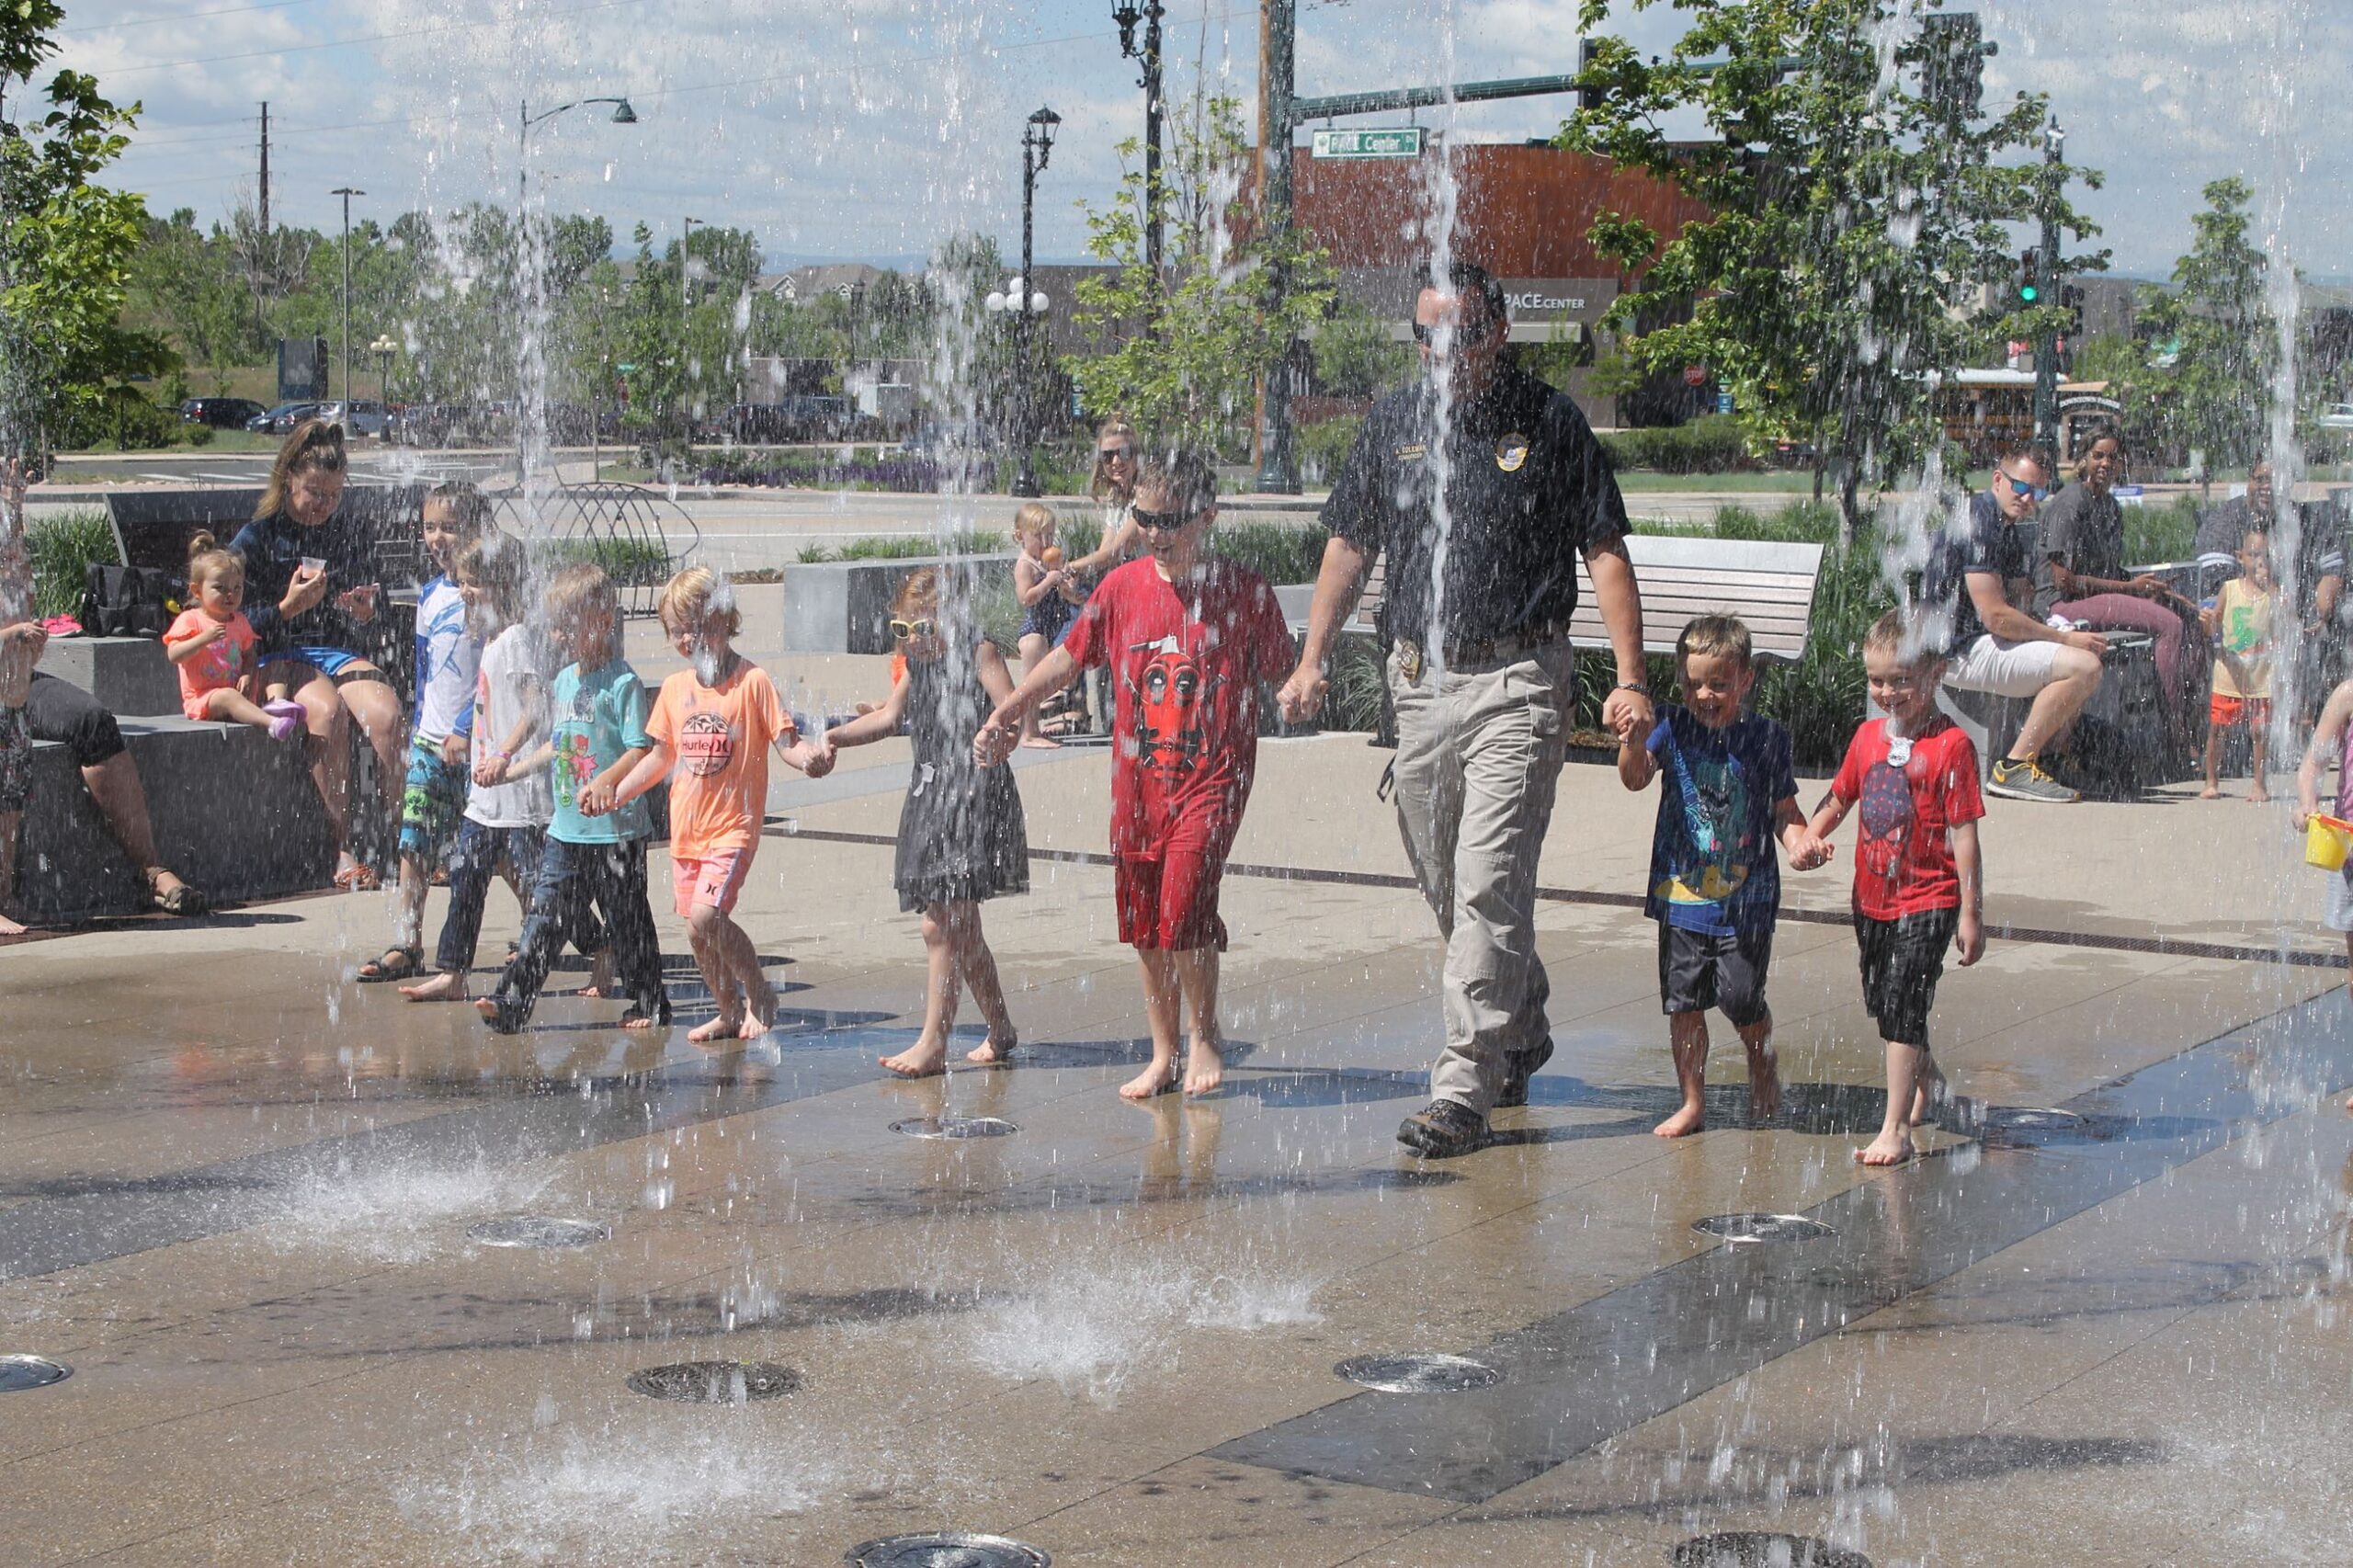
(1384, 141)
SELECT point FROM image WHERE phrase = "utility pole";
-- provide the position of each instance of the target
(347, 192)
(1277, 23)
(2046, 336)
(265, 169)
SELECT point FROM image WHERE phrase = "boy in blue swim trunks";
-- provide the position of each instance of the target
(449, 654)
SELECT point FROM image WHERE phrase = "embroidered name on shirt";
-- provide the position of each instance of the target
(1412, 452)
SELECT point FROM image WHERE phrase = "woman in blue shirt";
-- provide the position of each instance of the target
(306, 618)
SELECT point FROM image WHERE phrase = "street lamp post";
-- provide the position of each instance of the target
(1127, 15)
(383, 349)
(685, 328)
(623, 114)
(1036, 146)
(347, 192)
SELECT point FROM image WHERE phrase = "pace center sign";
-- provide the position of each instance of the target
(1384, 141)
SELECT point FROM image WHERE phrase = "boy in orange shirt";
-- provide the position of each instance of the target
(714, 723)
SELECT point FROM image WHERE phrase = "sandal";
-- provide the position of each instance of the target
(358, 877)
(398, 963)
(179, 899)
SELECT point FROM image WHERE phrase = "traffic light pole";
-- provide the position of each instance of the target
(2046, 281)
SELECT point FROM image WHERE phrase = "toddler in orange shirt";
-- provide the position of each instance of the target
(211, 644)
(711, 728)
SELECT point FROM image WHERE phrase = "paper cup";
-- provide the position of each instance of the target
(315, 562)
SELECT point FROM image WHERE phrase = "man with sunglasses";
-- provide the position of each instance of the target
(1980, 576)
(1481, 670)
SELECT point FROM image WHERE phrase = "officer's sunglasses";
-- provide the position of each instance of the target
(1427, 336)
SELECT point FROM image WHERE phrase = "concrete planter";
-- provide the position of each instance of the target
(844, 607)
(127, 674)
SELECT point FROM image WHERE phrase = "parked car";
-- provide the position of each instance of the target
(2339, 416)
(281, 420)
(361, 416)
(220, 412)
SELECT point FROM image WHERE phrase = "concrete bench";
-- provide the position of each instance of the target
(234, 811)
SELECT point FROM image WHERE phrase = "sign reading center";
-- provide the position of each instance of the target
(1387, 141)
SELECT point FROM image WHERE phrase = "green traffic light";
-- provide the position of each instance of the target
(2028, 292)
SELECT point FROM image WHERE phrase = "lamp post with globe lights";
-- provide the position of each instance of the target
(1018, 299)
(383, 349)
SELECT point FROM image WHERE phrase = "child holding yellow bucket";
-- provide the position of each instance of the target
(2326, 838)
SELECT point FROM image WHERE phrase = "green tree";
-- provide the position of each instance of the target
(1852, 216)
(65, 246)
(1354, 355)
(184, 283)
(2217, 343)
(1193, 379)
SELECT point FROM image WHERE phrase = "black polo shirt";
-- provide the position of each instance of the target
(1529, 488)
(1987, 544)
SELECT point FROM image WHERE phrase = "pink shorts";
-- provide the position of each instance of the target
(713, 882)
(192, 702)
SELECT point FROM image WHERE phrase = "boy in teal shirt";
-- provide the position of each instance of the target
(594, 852)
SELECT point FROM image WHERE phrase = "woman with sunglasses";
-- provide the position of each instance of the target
(962, 836)
(311, 589)
(1115, 486)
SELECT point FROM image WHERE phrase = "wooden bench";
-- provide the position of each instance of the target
(1768, 584)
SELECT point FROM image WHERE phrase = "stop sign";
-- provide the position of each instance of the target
(1695, 375)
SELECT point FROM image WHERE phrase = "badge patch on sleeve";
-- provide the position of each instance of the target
(1511, 451)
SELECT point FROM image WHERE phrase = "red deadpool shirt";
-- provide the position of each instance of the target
(1905, 807)
(1184, 661)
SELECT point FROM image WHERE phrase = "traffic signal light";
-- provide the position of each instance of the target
(2029, 291)
(2070, 300)
(1590, 97)
(1952, 63)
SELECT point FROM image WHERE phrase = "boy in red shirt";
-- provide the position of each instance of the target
(1918, 876)
(1187, 637)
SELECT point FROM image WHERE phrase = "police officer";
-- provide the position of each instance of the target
(1480, 667)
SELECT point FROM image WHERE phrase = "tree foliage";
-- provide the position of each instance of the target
(1853, 213)
(66, 244)
(2215, 345)
(1182, 354)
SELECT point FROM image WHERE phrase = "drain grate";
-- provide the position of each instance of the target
(950, 1548)
(1419, 1373)
(1762, 1227)
(540, 1231)
(1762, 1548)
(20, 1372)
(954, 1127)
(715, 1382)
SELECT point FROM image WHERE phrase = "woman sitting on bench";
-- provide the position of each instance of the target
(310, 585)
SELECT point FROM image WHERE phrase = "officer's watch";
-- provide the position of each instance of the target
(1642, 687)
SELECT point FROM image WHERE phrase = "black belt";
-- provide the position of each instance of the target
(1483, 649)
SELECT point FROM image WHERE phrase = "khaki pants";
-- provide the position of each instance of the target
(1479, 755)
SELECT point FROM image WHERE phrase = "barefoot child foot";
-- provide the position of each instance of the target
(995, 1051)
(1157, 1079)
(1887, 1149)
(927, 1058)
(1204, 1067)
(449, 986)
(1764, 1072)
(718, 1029)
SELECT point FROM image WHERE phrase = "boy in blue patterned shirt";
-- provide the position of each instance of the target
(1715, 886)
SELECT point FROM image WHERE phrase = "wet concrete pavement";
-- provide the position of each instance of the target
(236, 1191)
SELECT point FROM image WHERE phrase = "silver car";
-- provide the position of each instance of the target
(358, 417)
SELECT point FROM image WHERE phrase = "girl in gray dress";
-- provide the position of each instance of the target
(961, 838)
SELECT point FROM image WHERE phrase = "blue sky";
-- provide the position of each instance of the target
(871, 128)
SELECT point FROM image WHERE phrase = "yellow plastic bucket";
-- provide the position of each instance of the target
(2326, 840)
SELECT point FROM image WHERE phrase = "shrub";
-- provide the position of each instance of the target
(2160, 533)
(1324, 447)
(1710, 444)
(199, 435)
(629, 562)
(63, 547)
(1280, 552)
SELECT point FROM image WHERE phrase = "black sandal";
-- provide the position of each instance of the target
(181, 900)
(397, 964)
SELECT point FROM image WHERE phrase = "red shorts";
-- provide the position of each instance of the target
(1170, 901)
(2231, 713)
(713, 882)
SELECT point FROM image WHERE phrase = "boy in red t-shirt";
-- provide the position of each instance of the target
(1187, 637)
(1917, 877)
